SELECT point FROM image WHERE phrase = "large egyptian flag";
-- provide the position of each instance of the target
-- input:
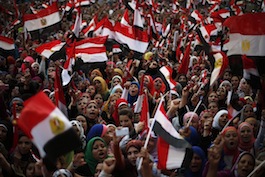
(7, 46)
(246, 34)
(171, 146)
(136, 39)
(92, 50)
(42, 19)
(47, 127)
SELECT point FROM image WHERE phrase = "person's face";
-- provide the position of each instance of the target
(82, 104)
(196, 163)
(248, 112)
(98, 169)
(193, 123)
(231, 139)
(99, 150)
(109, 69)
(83, 121)
(245, 134)
(93, 75)
(92, 111)
(35, 68)
(253, 122)
(227, 76)
(118, 92)
(212, 97)
(51, 72)
(24, 145)
(223, 120)
(125, 121)
(221, 93)
(98, 85)
(245, 165)
(234, 82)
(3, 134)
(98, 98)
(86, 96)
(182, 79)
(91, 90)
(30, 170)
(111, 131)
(116, 81)
(132, 155)
(133, 90)
(158, 84)
(213, 108)
(146, 81)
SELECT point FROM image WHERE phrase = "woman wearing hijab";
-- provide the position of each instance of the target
(219, 121)
(231, 151)
(243, 166)
(96, 152)
(197, 163)
(133, 93)
(126, 165)
(101, 87)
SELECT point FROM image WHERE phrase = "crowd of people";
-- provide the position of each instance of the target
(101, 99)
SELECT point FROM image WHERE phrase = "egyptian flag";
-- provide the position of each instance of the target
(92, 54)
(151, 27)
(167, 73)
(207, 31)
(196, 17)
(42, 19)
(246, 34)
(91, 26)
(47, 127)
(136, 39)
(250, 72)
(184, 65)
(116, 49)
(220, 64)
(171, 146)
(125, 18)
(91, 42)
(59, 95)
(7, 46)
(139, 103)
(50, 48)
(165, 29)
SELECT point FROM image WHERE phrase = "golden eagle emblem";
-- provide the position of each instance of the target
(43, 21)
(57, 125)
(245, 45)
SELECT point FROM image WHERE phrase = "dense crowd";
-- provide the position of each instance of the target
(102, 96)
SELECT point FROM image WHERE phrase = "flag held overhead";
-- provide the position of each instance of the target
(47, 127)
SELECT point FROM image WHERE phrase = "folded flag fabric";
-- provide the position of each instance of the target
(246, 34)
(42, 19)
(250, 72)
(47, 127)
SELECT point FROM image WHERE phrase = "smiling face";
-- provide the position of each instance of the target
(99, 150)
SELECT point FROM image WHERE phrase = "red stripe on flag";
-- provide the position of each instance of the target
(162, 152)
(45, 12)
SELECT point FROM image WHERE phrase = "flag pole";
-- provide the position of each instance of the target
(258, 167)
(196, 108)
(149, 134)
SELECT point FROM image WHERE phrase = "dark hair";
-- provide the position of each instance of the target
(127, 112)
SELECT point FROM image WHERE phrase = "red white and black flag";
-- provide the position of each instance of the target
(42, 18)
(47, 127)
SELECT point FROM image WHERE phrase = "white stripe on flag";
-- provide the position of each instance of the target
(250, 45)
(174, 157)
(39, 137)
